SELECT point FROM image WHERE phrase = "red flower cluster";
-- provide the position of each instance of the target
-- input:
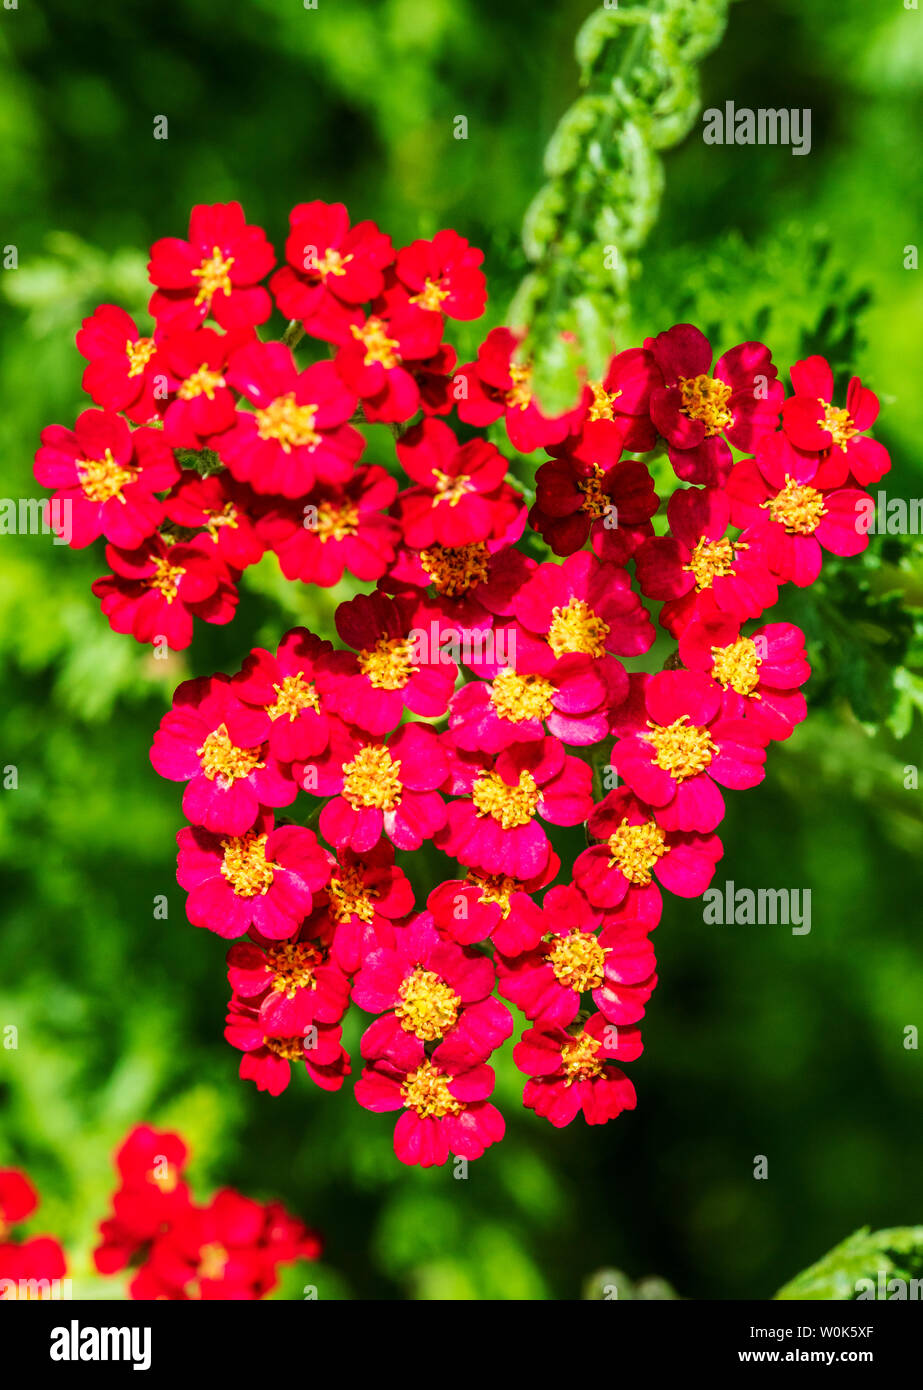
(475, 691)
(230, 1248)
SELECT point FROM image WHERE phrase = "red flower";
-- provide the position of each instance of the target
(584, 607)
(495, 828)
(225, 508)
(17, 1199)
(104, 477)
(442, 275)
(635, 848)
(158, 589)
(297, 432)
(460, 497)
(265, 877)
(267, 1060)
(31, 1263)
(330, 265)
(335, 529)
(615, 412)
(575, 1070)
(466, 584)
(376, 356)
(123, 367)
(700, 414)
(760, 674)
(216, 744)
(432, 989)
(609, 504)
(292, 983)
(795, 512)
(216, 272)
(485, 905)
(698, 567)
(812, 422)
(393, 668)
(203, 403)
(497, 385)
(378, 786)
(675, 744)
(366, 894)
(444, 1111)
(616, 965)
(530, 690)
(291, 690)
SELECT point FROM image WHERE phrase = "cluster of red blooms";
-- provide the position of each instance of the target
(231, 1248)
(475, 689)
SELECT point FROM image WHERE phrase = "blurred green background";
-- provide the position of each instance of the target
(758, 1042)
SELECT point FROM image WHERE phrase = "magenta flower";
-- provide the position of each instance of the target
(485, 905)
(202, 403)
(760, 674)
(497, 385)
(459, 497)
(224, 508)
(366, 895)
(215, 273)
(291, 690)
(157, 590)
(443, 275)
(574, 1070)
(813, 423)
(267, 1060)
(216, 744)
(122, 365)
(599, 499)
(584, 607)
(331, 267)
(291, 984)
(265, 878)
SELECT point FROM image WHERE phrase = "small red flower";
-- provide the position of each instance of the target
(442, 275)
(376, 356)
(760, 674)
(635, 849)
(267, 1060)
(157, 590)
(225, 509)
(292, 983)
(497, 385)
(290, 688)
(297, 432)
(574, 1070)
(460, 497)
(331, 267)
(366, 895)
(202, 403)
(584, 607)
(615, 412)
(104, 477)
(812, 422)
(215, 273)
(495, 826)
(378, 786)
(485, 905)
(676, 745)
(577, 501)
(216, 744)
(700, 413)
(443, 1111)
(266, 878)
(123, 366)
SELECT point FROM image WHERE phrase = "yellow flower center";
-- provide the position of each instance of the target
(245, 865)
(577, 628)
(103, 478)
(221, 758)
(454, 570)
(737, 666)
(520, 393)
(449, 489)
(517, 697)
(387, 665)
(139, 353)
(336, 521)
(373, 779)
(682, 749)
(291, 1049)
(378, 346)
(798, 507)
(429, 1007)
(602, 403)
(213, 1259)
(509, 806)
(293, 964)
(214, 277)
(350, 896)
(579, 1059)
(839, 423)
(290, 424)
(333, 263)
(226, 517)
(705, 398)
(166, 578)
(426, 1091)
(431, 295)
(635, 849)
(293, 694)
(495, 888)
(595, 502)
(577, 960)
(712, 560)
(204, 382)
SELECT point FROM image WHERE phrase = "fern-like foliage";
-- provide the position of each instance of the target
(882, 1257)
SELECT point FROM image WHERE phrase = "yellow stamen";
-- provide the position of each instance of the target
(517, 697)
(737, 666)
(635, 849)
(245, 865)
(350, 896)
(520, 393)
(291, 424)
(682, 749)
(139, 353)
(378, 346)
(579, 1059)
(577, 960)
(294, 965)
(839, 423)
(712, 560)
(214, 275)
(596, 502)
(333, 263)
(577, 628)
(603, 401)
(373, 779)
(431, 295)
(426, 1091)
(336, 521)
(204, 382)
(103, 478)
(495, 888)
(429, 1007)
(166, 578)
(454, 570)
(293, 694)
(221, 758)
(705, 398)
(449, 489)
(798, 507)
(509, 806)
(387, 665)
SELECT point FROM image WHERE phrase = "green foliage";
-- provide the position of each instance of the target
(894, 1254)
(585, 226)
